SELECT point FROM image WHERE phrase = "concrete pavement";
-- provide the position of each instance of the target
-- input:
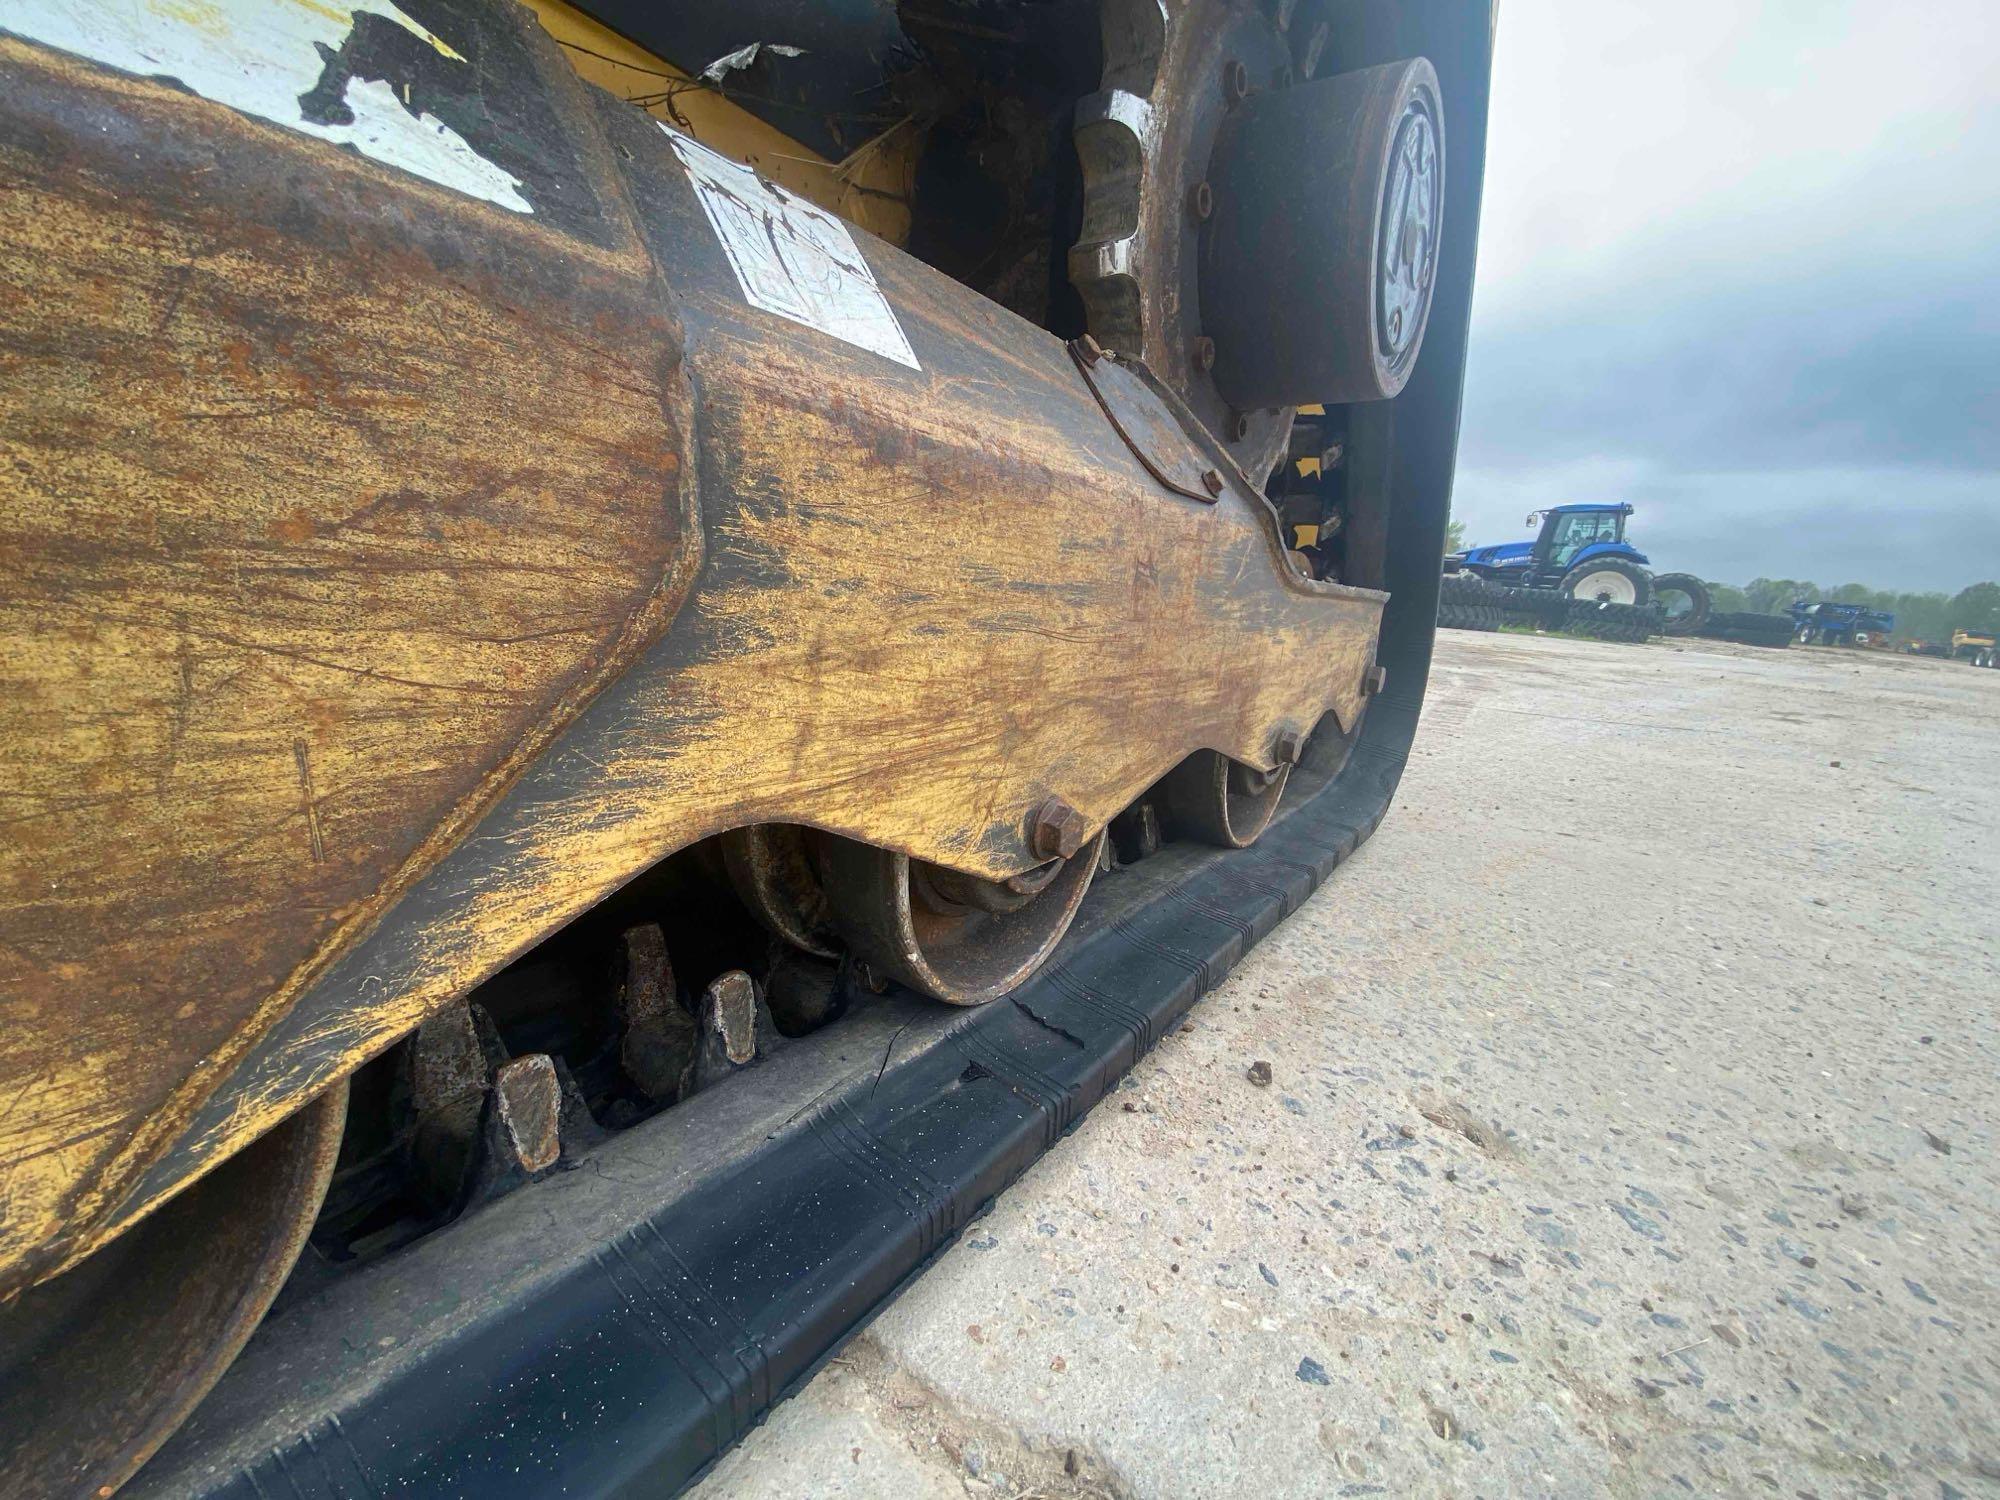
(1629, 1131)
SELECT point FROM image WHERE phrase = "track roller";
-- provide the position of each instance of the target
(1225, 802)
(101, 1363)
(952, 936)
(772, 871)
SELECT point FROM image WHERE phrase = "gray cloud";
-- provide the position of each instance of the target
(1726, 282)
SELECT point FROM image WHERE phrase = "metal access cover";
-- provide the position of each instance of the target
(1144, 414)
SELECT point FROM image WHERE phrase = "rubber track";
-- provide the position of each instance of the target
(632, 1369)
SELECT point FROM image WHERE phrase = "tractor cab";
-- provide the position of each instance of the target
(1568, 529)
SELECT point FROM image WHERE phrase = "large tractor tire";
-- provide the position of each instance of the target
(1519, 606)
(1466, 603)
(1612, 622)
(1748, 628)
(1684, 600)
(1609, 580)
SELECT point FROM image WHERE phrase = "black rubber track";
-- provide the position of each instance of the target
(615, 1329)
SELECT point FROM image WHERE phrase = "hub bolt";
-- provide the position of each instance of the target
(1239, 426)
(1235, 81)
(1288, 747)
(1201, 201)
(1057, 830)
(1204, 353)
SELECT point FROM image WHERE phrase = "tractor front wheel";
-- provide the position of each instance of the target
(1608, 580)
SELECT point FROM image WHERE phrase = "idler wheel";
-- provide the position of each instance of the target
(100, 1364)
(952, 936)
(1318, 264)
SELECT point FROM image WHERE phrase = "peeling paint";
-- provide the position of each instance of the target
(260, 57)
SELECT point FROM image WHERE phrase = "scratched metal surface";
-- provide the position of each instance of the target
(392, 573)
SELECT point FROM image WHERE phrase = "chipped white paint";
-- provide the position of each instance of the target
(790, 257)
(259, 56)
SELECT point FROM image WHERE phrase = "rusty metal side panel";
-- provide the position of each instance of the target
(931, 599)
(345, 610)
(292, 582)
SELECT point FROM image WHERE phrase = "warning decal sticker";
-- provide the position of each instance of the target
(791, 257)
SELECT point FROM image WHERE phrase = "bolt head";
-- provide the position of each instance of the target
(1056, 831)
(1235, 81)
(1211, 480)
(1201, 201)
(1288, 747)
(1239, 427)
(1204, 353)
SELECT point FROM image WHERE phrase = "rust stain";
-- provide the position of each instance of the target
(376, 549)
(182, 450)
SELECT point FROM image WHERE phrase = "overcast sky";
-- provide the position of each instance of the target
(1739, 266)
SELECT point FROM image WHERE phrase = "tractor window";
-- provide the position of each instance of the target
(1579, 529)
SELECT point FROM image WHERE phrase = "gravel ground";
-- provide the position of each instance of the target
(1629, 1130)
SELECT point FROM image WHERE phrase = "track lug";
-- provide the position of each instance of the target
(735, 1028)
(658, 1042)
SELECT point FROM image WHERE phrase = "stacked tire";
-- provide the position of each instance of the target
(1543, 608)
(1748, 629)
(1612, 622)
(1466, 603)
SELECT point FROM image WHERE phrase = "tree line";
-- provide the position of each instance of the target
(1919, 616)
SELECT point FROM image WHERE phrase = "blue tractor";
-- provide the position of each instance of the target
(1828, 624)
(1581, 552)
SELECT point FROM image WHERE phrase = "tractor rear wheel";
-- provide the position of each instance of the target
(1609, 580)
(1685, 599)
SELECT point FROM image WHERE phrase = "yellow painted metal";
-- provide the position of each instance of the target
(363, 624)
(350, 584)
(870, 188)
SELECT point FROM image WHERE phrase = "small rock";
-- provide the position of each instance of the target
(1058, 1364)
(1312, 1372)
(1926, 1040)
(1853, 1205)
(1937, 1143)
(1070, 1465)
(1259, 1073)
(1835, 764)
